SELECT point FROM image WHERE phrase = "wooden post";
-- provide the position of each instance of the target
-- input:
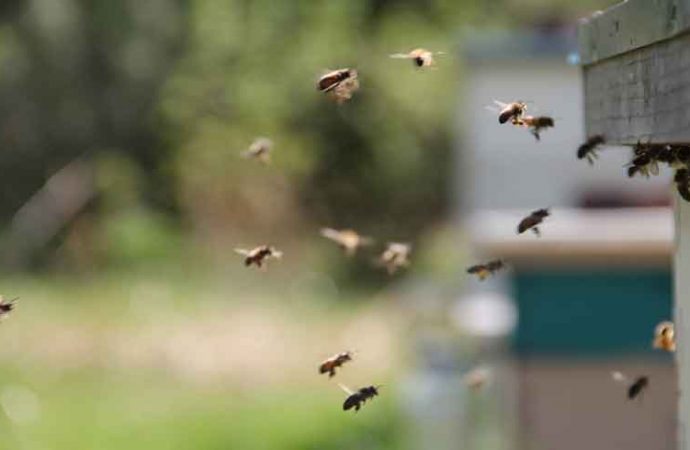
(636, 63)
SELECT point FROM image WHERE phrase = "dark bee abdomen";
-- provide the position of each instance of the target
(329, 81)
(505, 116)
(351, 401)
(419, 61)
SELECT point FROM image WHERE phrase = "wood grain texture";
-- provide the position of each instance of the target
(643, 94)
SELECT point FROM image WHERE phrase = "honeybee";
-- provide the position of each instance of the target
(665, 337)
(259, 255)
(682, 180)
(477, 378)
(260, 150)
(635, 388)
(348, 240)
(535, 124)
(357, 399)
(420, 57)
(588, 149)
(645, 160)
(531, 221)
(511, 111)
(483, 271)
(339, 84)
(335, 361)
(6, 306)
(395, 256)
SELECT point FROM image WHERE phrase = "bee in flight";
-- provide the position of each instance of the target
(6, 306)
(510, 111)
(535, 124)
(357, 399)
(483, 271)
(259, 255)
(395, 256)
(477, 378)
(348, 240)
(420, 57)
(531, 221)
(682, 180)
(665, 337)
(635, 388)
(335, 361)
(340, 84)
(588, 149)
(260, 150)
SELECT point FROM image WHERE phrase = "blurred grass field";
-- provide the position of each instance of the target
(86, 363)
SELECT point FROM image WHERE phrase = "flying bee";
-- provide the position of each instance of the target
(348, 240)
(511, 111)
(535, 124)
(665, 337)
(635, 388)
(682, 180)
(6, 306)
(420, 57)
(531, 221)
(335, 361)
(357, 399)
(477, 378)
(483, 271)
(395, 256)
(259, 255)
(339, 84)
(588, 149)
(260, 150)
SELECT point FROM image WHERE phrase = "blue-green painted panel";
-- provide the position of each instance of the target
(590, 313)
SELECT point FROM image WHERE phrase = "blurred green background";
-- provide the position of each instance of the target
(123, 195)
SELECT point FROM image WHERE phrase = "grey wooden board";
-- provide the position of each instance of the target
(681, 315)
(630, 25)
(643, 94)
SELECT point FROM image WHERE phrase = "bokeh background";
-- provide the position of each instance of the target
(123, 195)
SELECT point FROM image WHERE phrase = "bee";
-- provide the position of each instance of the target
(339, 84)
(535, 124)
(259, 255)
(531, 221)
(511, 111)
(335, 361)
(477, 378)
(357, 399)
(665, 337)
(395, 256)
(484, 270)
(635, 388)
(260, 150)
(682, 154)
(682, 180)
(348, 240)
(588, 149)
(420, 57)
(6, 306)
(645, 160)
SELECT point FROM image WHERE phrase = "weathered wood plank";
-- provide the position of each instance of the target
(643, 94)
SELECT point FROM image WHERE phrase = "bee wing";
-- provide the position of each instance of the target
(501, 104)
(330, 233)
(241, 251)
(619, 377)
(347, 390)
(399, 56)
(277, 254)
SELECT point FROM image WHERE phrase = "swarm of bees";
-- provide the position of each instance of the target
(665, 337)
(6, 306)
(420, 57)
(335, 361)
(483, 271)
(258, 256)
(530, 222)
(260, 150)
(339, 84)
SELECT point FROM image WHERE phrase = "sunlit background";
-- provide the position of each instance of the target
(124, 194)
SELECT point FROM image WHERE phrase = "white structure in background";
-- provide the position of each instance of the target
(502, 166)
